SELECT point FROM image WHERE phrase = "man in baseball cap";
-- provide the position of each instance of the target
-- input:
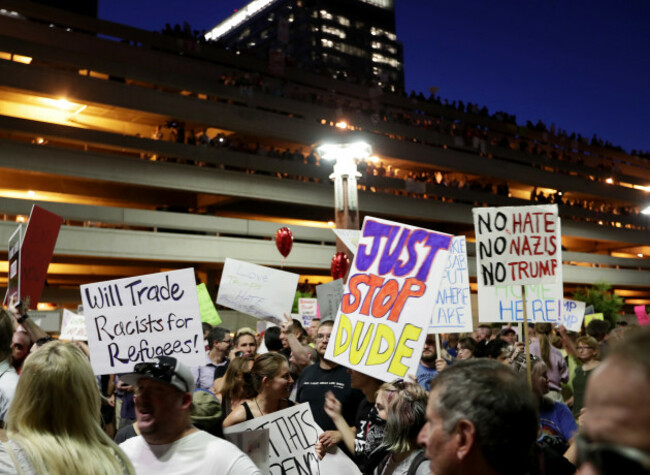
(169, 443)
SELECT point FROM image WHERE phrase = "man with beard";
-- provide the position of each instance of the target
(430, 365)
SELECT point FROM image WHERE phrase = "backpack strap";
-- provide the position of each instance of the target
(417, 461)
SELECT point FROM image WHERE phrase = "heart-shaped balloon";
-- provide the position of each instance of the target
(284, 241)
(340, 265)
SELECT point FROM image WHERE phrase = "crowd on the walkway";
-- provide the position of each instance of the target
(470, 409)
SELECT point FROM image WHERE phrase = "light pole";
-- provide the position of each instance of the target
(346, 200)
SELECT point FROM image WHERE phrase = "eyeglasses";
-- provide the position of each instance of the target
(612, 458)
(163, 370)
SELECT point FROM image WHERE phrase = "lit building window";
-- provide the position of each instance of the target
(325, 15)
(342, 20)
(330, 30)
(327, 43)
(378, 58)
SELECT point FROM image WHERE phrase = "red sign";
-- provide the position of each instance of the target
(36, 252)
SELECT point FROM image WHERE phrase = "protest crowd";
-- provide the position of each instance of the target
(466, 410)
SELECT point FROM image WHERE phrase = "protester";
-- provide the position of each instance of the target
(272, 340)
(406, 417)
(466, 348)
(245, 343)
(497, 350)
(234, 387)
(556, 423)
(20, 346)
(451, 345)
(615, 434)
(588, 352)
(169, 443)
(54, 424)
(219, 343)
(558, 371)
(430, 364)
(364, 438)
(8, 376)
(599, 329)
(481, 419)
(317, 379)
(271, 383)
(509, 335)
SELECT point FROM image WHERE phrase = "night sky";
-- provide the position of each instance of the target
(581, 64)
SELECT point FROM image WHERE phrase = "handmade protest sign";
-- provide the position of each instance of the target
(36, 252)
(349, 237)
(135, 319)
(329, 298)
(13, 282)
(388, 299)
(517, 245)
(308, 310)
(73, 327)
(209, 313)
(641, 315)
(593, 316)
(452, 312)
(292, 436)
(258, 291)
(573, 313)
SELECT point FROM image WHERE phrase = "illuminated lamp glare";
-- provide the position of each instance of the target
(609, 180)
(350, 151)
(646, 210)
(331, 224)
(341, 124)
(374, 159)
(31, 193)
(640, 255)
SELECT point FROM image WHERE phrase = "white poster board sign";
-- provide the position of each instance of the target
(73, 327)
(505, 303)
(292, 436)
(452, 312)
(308, 310)
(573, 313)
(329, 298)
(517, 245)
(135, 319)
(258, 291)
(349, 237)
(384, 315)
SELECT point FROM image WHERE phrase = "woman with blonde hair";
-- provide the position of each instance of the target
(54, 420)
(588, 350)
(271, 381)
(558, 370)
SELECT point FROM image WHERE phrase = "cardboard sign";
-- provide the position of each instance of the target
(36, 252)
(349, 237)
(593, 316)
(452, 312)
(13, 282)
(73, 327)
(573, 313)
(255, 444)
(641, 315)
(208, 311)
(517, 245)
(329, 298)
(135, 319)
(308, 310)
(386, 307)
(258, 291)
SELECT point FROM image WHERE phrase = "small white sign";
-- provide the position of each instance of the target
(573, 313)
(73, 327)
(329, 298)
(258, 291)
(349, 237)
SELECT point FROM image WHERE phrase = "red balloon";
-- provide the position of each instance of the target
(284, 241)
(340, 265)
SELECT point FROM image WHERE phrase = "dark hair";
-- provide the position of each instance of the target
(469, 343)
(272, 339)
(494, 348)
(216, 334)
(498, 403)
(598, 329)
(206, 327)
(6, 333)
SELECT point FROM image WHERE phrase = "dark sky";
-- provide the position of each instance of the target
(581, 64)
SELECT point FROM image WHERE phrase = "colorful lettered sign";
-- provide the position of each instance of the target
(135, 319)
(387, 303)
(452, 312)
(517, 245)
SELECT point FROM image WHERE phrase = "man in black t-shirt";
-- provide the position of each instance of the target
(316, 380)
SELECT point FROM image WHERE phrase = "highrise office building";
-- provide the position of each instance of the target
(353, 40)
